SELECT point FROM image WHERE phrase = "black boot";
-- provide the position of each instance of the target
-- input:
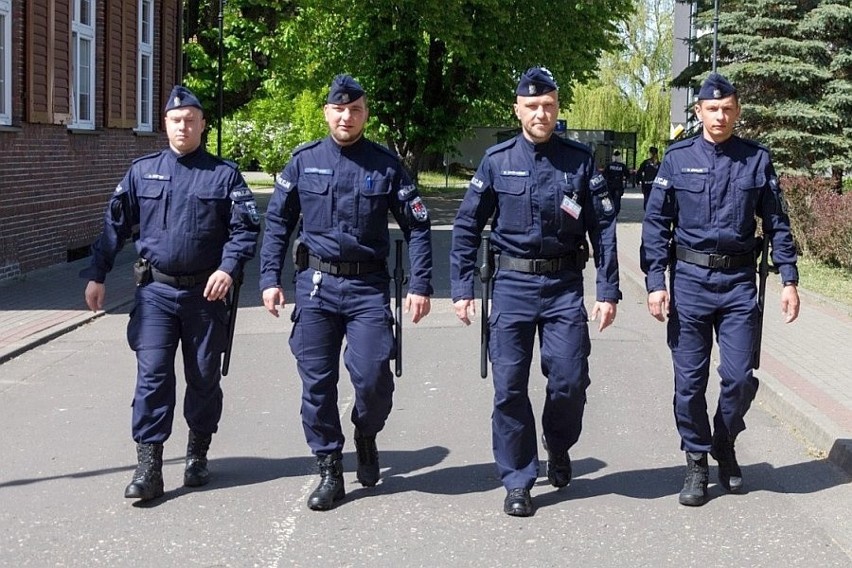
(558, 467)
(330, 488)
(518, 502)
(694, 492)
(147, 480)
(196, 474)
(730, 474)
(368, 459)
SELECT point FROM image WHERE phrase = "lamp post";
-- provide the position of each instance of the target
(715, 33)
(220, 87)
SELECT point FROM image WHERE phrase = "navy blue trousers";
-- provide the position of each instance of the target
(162, 318)
(551, 305)
(357, 309)
(704, 302)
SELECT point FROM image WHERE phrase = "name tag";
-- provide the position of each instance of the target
(694, 170)
(320, 171)
(515, 173)
(570, 206)
(158, 177)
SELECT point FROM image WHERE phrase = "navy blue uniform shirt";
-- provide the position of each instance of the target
(194, 213)
(526, 185)
(706, 197)
(344, 194)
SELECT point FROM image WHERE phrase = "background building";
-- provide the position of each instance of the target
(82, 87)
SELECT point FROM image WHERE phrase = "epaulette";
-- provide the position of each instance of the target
(754, 143)
(575, 145)
(385, 149)
(501, 146)
(305, 146)
(685, 143)
(148, 156)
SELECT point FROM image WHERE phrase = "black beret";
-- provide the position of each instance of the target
(344, 90)
(714, 87)
(182, 97)
(536, 81)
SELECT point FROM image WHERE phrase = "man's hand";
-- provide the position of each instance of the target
(790, 303)
(95, 294)
(217, 286)
(273, 298)
(658, 304)
(419, 306)
(464, 309)
(607, 311)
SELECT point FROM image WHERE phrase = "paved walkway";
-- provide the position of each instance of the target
(806, 372)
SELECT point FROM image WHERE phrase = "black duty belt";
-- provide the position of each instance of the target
(184, 281)
(341, 268)
(538, 265)
(714, 260)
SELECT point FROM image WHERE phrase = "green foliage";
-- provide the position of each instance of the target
(821, 219)
(792, 65)
(432, 69)
(629, 92)
(266, 131)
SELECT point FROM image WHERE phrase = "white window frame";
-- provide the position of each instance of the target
(80, 76)
(5, 62)
(145, 65)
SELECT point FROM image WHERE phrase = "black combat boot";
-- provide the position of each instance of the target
(518, 502)
(694, 492)
(147, 480)
(196, 474)
(730, 474)
(330, 488)
(558, 467)
(368, 459)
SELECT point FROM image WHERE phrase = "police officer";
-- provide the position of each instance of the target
(342, 187)
(545, 196)
(647, 172)
(703, 205)
(616, 173)
(197, 227)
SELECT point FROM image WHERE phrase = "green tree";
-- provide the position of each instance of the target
(791, 64)
(630, 90)
(433, 69)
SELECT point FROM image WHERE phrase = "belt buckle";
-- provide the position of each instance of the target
(538, 265)
(720, 261)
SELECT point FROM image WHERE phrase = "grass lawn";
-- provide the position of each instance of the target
(831, 282)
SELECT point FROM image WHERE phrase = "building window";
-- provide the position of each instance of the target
(83, 65)
(145, 66)
(5, 62)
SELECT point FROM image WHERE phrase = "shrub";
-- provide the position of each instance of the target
(821, 219)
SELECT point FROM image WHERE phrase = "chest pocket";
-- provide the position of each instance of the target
(514, 210)
(210, 208)
(372, 217)
(151, 196)
(567, 224)
(315, 202)
(746, 195)
(692, 200)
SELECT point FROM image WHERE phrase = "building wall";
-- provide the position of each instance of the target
(54, 181)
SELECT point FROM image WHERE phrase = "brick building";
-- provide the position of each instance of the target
(82, 85)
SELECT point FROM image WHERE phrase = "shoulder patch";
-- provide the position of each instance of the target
(597, 182)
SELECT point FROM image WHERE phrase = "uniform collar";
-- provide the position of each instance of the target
(351, 148)
(537, 147)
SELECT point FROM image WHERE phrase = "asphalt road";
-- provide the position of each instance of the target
(67, 456)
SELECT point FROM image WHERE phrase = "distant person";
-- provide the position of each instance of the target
(700, 226)
(646, 173)
(616, 174)
(545, 197)
(335, 195)
(198, 226)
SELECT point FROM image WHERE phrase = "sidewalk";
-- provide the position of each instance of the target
(806, 381)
